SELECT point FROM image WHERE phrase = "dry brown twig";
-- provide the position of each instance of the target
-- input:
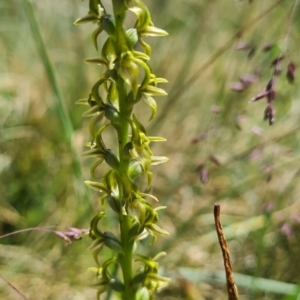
(231, 287)
(14, 288)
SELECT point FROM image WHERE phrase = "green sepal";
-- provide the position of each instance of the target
(159, 255)
(142, 13)
(157, 278)
(152, 103)
(111, 180)
(150, 196)
(96, 244)
(145, 259)
(93, 111)
(159, 208)
(141, 55)
(96, 60)
(95, 92)
(153, 31)
(95, 35)
(147, 72)
(102, 199)
(138, 211)
(156, 139)
(97, 186)
(96, 152)
(108, 50)
(112, 73)
(96, 247)
(135, 230)
(157, 230)
(131, 100)
(112, 95)
(99, 140)
(149, 179)
(92, 122)
(82, 101)
(95, 164)
(105, 265)
(156, 160)
(154, 91)
(139, 125)
(151, 214)
(157, 80)
(95, 221)
(126, 150)
(86, 19)
(147, 47)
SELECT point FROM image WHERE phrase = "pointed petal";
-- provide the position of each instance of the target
(97, 186)
(154, 91)
(93, 111)
(152, 103)
(157, 230)
(96, 60)
(156, 160)
(86, 19)
(156, 139)
(153, 31)
(150, 196)
(92, 123)
(96, 163)
(95, 34)
(96, 152)
(84, 101)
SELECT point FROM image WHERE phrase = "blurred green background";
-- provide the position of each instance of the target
(253, 168)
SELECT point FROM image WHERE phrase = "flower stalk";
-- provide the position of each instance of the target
(127, 79)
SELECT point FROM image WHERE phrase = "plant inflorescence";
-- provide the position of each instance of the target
(127, 79)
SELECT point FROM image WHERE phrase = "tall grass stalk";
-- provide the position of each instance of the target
(60, 106)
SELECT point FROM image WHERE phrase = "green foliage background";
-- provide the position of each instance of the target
(256, 181)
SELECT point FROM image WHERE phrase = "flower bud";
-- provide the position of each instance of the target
(111, 113)
(114, 204)
(132, 36)
(135, 169)
(117, 285)
(111, 159)
(108, 25)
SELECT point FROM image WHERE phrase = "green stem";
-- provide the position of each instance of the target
(125, 220)
(125, 259)
(122, 128)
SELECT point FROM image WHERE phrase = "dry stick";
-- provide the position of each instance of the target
(14, 288)
(231, 287)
